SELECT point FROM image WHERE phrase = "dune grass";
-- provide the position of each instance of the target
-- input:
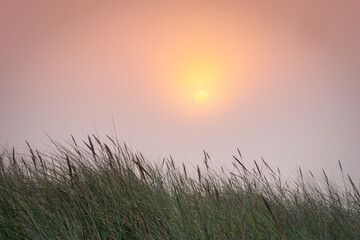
(98, 190)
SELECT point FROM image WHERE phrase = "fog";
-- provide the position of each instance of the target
(288, 86)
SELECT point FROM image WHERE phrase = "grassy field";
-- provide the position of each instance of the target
(103, 190)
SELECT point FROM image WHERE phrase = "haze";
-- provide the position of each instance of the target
(281, 78)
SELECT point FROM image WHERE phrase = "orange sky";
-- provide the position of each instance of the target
(281, 77)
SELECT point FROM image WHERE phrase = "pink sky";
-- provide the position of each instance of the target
(287, 81)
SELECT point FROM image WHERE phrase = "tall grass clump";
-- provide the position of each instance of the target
(104, 190)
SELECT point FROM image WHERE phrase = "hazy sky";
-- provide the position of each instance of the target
(282, 78)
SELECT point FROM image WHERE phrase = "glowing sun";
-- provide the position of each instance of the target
(201, 96)
(199, 78)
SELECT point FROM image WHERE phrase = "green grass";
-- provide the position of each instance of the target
(106, 191)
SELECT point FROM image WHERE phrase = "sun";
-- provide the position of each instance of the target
(198, 79)
(202, 96)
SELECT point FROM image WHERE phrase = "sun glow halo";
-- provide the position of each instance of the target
(200, 78)
(201, 96)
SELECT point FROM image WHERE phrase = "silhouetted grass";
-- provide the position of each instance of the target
(106, 191)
